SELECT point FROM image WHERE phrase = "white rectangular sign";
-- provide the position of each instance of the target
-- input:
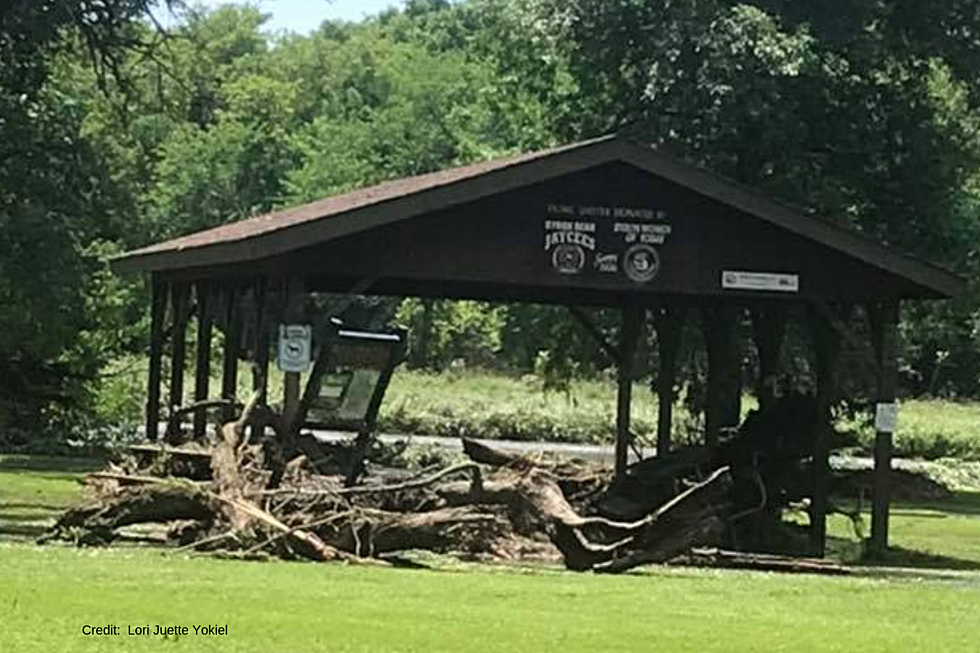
(295, 347)
(766, 281)
(886, 418)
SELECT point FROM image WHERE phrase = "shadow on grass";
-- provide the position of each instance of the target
(19, 464)
(20, 532)
(961, 503)
(901, 557)
(28, 517)
(852, 552)
(50, 507)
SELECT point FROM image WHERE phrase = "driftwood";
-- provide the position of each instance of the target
(486, 455)
(98, 522)
(311, 546)
(693, 518)
(173, 434)
(268, 494)
(320, 519)
(761, 562)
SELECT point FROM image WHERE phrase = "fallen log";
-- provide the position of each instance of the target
(370, 533)
(486, 455)
(173, 434)
(692, 518)
(311, 546)
(760, 562)
(162, 502)
(129, 479)
(708, 529)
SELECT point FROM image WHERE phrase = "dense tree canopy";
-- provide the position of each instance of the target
(114, 134)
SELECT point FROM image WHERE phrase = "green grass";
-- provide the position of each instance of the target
(34, 490)
(925, 535)
(499, 407)
(932, 429)
(48, 593)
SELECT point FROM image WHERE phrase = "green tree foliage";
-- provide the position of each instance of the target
(865, 114)
(56, 204)
(113, 136)
(448, 333)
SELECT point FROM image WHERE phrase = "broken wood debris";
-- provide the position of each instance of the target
(264, 495)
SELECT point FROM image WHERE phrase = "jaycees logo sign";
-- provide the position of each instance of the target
(605, 241)
(569, 242)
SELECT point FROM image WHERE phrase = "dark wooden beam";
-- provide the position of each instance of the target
(229, 366)
(859, 349)
(423, 340)
(724, 391)
(884, 318)
(295, 295)
(768, 333)
(632, 327)
(180, 300)
(593, 329)
(363, 440)
(260, 368)
(669, 322)
(826, 349)
(158, 309)
(202, 369)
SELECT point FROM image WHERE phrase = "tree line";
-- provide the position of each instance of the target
(116, 132)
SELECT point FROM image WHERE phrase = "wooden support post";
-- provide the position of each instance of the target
(260, 369)
(724, 392)
(420, 357)
(884, 329)
(295, 295)
(202, 369)
(632, 327)
(670, 326)
(593, 330)
(180, 298)
(826, 349)
(363, 440)
(768, 332)
(229, 367)
(158, 309)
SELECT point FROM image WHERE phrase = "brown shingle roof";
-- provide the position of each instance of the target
(344, 203)
(321, 221)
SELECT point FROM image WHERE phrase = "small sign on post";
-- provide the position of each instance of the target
(886, 417)
(295, 347)
(761, 281)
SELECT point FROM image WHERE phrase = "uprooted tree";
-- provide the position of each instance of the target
(262, 488)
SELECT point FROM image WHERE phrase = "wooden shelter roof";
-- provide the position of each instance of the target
(323, 221)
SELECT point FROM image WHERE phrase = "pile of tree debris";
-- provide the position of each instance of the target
(258, 489)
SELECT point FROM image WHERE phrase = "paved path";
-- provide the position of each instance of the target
(593, 452)
(600, 453)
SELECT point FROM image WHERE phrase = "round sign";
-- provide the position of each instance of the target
(568, 259)
(641, 263)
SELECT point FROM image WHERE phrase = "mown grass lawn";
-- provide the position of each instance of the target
(35, 489)
(48, 593)
(937, 535)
